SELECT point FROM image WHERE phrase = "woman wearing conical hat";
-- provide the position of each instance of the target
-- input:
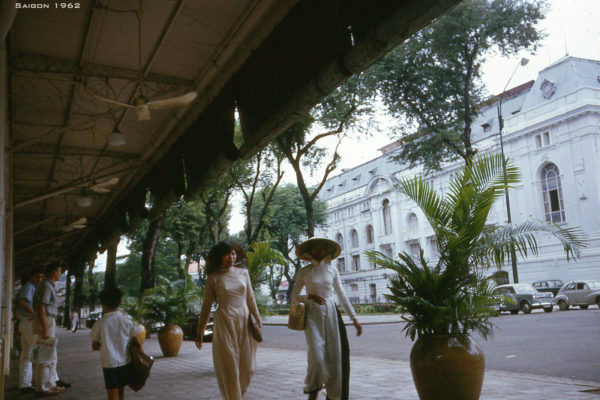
(328, 350)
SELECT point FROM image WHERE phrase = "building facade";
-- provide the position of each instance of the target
(552, 133)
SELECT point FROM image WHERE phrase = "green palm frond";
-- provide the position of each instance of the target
(426, 198)
(450, 297)
(496, 245)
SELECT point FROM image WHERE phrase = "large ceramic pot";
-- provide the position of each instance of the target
(170, 338)
(141, 336)
(446, 368)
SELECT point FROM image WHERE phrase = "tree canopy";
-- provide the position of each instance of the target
(432, 82)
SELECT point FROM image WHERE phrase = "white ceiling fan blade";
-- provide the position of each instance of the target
(80, 221)
(109, 182)
(79, 226)
(92, 92)
(173, 101)
(100, 189)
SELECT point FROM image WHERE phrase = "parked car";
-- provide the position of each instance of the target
(548, 285)
(92, 318)
(522, 296)
(579, 293)
(189, 329)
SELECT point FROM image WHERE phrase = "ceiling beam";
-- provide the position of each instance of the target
(77, 184)
(26, 65)
(66, 151)
(47, 241)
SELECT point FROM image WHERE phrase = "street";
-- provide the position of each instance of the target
(562, 343)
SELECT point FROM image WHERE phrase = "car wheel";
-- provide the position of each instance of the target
(514, 311)
(563, 305)
(583, 307)
(525, 307)
(548, 309)
(598, 301)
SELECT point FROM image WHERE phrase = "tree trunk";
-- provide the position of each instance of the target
(90, 277)
(78, 295)
(67, 312)
(110, 275)
(149, 253)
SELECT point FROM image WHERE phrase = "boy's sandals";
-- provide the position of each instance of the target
(50, 392)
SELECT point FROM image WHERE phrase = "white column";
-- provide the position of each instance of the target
(7, 16)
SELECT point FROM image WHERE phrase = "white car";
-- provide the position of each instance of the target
(578, 293)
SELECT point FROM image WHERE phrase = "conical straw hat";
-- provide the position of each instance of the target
(318, 249)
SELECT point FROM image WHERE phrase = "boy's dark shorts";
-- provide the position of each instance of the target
(117, 377)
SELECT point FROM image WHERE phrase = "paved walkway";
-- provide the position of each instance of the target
(279, 375)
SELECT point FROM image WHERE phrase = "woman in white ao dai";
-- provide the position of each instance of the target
(328, 355)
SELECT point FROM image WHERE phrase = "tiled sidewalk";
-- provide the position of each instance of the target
(279, 375)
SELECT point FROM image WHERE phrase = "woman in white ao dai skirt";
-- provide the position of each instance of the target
(233, 347)
(328, 354)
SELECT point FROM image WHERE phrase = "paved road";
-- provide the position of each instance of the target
(562, 343)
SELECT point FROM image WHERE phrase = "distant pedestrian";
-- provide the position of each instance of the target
(111, 335)
(74, 321)
(26, 315)
(328, 350)
(233, 347)
(45, 301)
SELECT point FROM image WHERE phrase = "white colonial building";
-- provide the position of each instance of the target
(552, 133)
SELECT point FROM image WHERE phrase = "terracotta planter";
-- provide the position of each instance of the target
(170, 338)
(141, 337)
(446, 368)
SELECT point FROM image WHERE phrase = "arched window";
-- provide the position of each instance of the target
(554, 207)
(413, 222)
(354, 238)
(369, 234)
(387, 217)
(340, 240)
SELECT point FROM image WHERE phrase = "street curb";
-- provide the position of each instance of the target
(345, 323)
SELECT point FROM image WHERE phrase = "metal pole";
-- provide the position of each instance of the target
(513, 255)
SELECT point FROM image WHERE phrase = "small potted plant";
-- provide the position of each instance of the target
(169, 303)
(446, 300)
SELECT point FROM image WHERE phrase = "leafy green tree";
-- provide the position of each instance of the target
(265, 265)
(346, 109)
(183, 226)
(432, 82)
(129, 270)
(286, 225)
(259, 176)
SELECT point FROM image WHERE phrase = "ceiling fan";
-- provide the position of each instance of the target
(79, 224)
(104, 187)
(141, 104)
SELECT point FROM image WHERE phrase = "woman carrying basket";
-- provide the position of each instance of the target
(328, 350)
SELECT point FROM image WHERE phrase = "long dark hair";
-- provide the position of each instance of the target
(215, 255)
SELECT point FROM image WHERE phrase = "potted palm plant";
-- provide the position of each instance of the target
(169, 303)
(446, 300)
(135, 307)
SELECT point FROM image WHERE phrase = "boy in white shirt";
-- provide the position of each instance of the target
(111, 334)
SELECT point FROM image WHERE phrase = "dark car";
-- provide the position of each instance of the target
(190, 327)
(92, 318)
(522, 296)
(548, 285)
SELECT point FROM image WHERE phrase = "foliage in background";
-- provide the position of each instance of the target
(432, 81)
(451, 297)
(170, 301)
(265, 265)
(257, 180)
(285, 225)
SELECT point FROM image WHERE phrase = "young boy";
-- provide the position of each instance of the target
(111, 334)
